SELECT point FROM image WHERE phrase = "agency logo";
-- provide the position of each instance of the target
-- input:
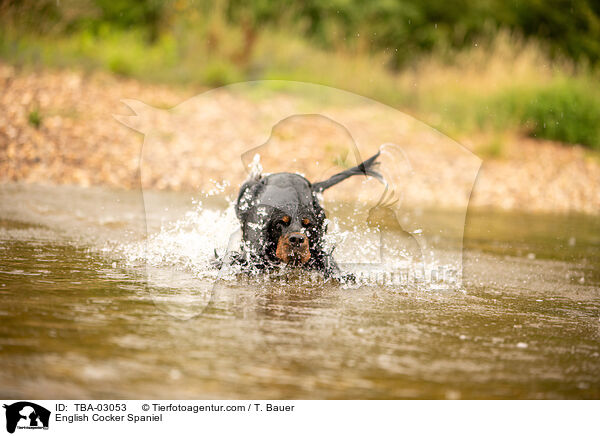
(26, 415)
(387, 232)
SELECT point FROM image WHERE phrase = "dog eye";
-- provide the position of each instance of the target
(305, 222)
(286, 219)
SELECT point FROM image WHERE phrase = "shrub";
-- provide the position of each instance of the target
(35, 118)
(567, 112)
(119, 65)
(219, 73)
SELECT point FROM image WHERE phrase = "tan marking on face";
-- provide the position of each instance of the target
(287, 253)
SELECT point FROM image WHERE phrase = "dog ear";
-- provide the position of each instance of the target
(365, 168)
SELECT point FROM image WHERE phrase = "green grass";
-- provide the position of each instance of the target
(491, 89)
(567, 111)
(35, 118)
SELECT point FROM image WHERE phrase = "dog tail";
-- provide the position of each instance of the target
(366, 168)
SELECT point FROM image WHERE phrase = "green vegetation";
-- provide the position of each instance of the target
(463, 67)
(565, 112)
(560, 109)
(35, 118)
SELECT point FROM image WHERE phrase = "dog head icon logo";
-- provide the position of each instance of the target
(26, 415)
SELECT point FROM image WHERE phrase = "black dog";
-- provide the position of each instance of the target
(283, 223)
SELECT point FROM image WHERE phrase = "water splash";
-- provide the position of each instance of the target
(184, 250)
(188, 244)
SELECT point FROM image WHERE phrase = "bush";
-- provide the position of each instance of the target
(219, 73)
(404, 29)
(35, 118)
(120, 66)
(567, 112)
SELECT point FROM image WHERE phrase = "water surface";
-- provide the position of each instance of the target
(83, 315)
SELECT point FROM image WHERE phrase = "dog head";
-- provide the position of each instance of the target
(281, 218)
(290, 234)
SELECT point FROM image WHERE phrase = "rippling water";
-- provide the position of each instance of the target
(90, 309)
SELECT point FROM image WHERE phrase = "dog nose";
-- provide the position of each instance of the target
(297, 239)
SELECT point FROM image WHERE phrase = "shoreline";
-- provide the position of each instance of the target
(78, 142)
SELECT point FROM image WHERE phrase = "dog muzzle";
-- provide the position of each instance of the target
(292, 248)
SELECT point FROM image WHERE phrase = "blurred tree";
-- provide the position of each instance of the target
(147, 14)
(570, 27)
(403, 28)
(35, 15)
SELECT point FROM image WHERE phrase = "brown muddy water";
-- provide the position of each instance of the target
(88, 310)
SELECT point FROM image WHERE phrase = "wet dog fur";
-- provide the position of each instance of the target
(282, 221)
